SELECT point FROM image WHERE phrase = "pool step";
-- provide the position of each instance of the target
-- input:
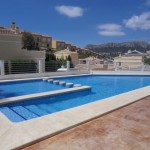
(45, 79)
(33, 108)
(11, 114)
(56, 82)
(62, 83)
(23, 112)
(50, 80)
(77, 85)
(69, 84)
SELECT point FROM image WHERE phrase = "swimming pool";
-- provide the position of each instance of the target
(18, 88)
(102, 87)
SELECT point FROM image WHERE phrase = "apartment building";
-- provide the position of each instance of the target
(131, 59)
(44, 42)
(58, 45)
(11, 49)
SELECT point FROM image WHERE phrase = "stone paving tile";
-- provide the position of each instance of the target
(125, 129)
(138, 112)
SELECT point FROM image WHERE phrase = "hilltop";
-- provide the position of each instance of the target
(112, 48)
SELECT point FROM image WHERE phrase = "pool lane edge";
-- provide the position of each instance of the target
(42, 94)
(19, 135)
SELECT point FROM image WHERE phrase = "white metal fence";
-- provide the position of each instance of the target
(20, 67)
(132, 67)
(30, 67)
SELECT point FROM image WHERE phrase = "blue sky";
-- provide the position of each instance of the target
(81, 22)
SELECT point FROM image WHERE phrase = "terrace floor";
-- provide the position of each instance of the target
(127, 128)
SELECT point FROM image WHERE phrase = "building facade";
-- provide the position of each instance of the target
(42, 41)
(11, 49)
(131, 59)
(58, 45)
(63, 54)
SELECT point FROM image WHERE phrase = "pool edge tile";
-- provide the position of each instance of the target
(80, 114)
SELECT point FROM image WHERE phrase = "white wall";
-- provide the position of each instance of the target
(11, 49)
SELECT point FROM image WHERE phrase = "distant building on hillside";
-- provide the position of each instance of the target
(94, 63)
(44, 42)
(63, 54)
(131, 59)
(11, 49)
(58, 45)
(91, 60)
(61, 45)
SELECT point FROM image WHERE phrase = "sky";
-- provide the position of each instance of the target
(81, 22)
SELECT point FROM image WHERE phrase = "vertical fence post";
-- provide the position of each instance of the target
(9, 66)
(116, 66)
(88, 66)
(68, 66)
(41, 66)
(2, 68)
(143, 66)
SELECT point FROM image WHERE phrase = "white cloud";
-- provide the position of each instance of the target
(70, 11)
(147, 2)
(142, 21)
(111, 33)
(110, 30)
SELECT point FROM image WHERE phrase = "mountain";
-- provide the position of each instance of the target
(123, 47)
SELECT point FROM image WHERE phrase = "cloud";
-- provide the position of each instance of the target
(70, 11)
(147, 2)
(110, 30)
(142, 21)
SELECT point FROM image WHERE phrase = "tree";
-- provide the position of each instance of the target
(28, 41)
(147, 61)
(69, 58)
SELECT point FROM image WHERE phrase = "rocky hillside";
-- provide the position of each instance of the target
(120, 47)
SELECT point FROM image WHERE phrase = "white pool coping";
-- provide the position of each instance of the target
(18, 135)
(103, 72)
(42, 94)
(38, 78)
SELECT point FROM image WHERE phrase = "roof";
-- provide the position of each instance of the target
(59, 41)
(40, 34)
(148, 52)
(130, 52)
(66, 51)
(91, 58)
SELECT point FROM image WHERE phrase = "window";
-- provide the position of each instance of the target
(58, 44)
(44, 39)
(38, 39)
(49, 40)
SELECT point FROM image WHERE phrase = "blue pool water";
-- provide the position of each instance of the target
(102, 87)
(11, 89)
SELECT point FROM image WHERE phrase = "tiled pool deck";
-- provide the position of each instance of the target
(127, 128)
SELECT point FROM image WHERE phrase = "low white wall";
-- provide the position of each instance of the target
(120, 72)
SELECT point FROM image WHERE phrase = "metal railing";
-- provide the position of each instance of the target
(20, 67)
(26, 67)
(133, 67)
(52, 66)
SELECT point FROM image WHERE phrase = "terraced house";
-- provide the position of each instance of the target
(58, 45)
(44, 42)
